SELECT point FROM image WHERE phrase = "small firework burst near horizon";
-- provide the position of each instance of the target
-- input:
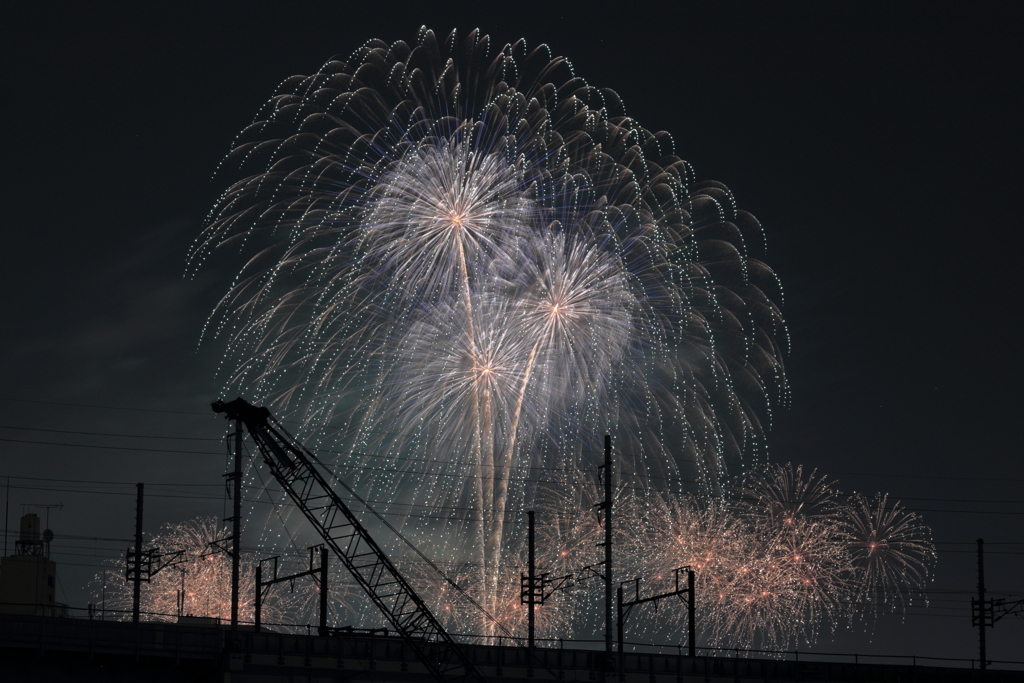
(198, 583)
(786, 555)
(763, 579)
(891, 550)
(440, 174)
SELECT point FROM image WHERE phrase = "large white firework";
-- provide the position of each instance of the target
(462, 265)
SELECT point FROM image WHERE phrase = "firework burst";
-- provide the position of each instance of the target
(199, 583)
(745, 591)
(463, 256)
(784, 556)
(795, 519)
(437, 215)
(370, 199)
(783, 497)
(890, 549)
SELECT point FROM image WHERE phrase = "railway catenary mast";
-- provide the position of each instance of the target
(293, 467)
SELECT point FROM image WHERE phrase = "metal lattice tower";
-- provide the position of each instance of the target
(293, 467)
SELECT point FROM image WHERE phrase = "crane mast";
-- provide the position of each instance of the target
(293, 467)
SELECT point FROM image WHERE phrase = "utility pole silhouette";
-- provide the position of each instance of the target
(605, 473)
(982, 611)
(607, 507)
(531, 583)
(236, 524)
(535, 589)
(986, 612)
(137, 570)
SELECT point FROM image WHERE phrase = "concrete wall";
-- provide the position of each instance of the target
(28, 585)
(80, 650)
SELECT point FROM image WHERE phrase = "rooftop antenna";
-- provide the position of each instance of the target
(26, 506)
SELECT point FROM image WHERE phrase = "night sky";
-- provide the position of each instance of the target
(880, 147)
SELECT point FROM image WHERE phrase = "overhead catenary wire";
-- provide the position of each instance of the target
(408, 458)
(92, 405)
(196, 485)
(379, 431)
(394, 503)
(115, 434)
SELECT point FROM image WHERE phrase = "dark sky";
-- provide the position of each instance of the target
(879, 146)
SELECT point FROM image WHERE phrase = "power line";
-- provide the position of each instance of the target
(111, 448)
(433, 460)
(926, 476)
(350, 430)
(88, 405)
(101, 481)
(898, 499)
(471, 476)
(420, 505)
(127, 436)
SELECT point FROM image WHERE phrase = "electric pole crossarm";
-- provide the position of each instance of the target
(534, 589)
(988, 612)
(318, 574)
(1001, 609)
(294, 469)
(548, 586)
(166, 561)
(625, 607)
(312, 571)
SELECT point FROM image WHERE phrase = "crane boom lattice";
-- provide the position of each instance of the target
(293, 467)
